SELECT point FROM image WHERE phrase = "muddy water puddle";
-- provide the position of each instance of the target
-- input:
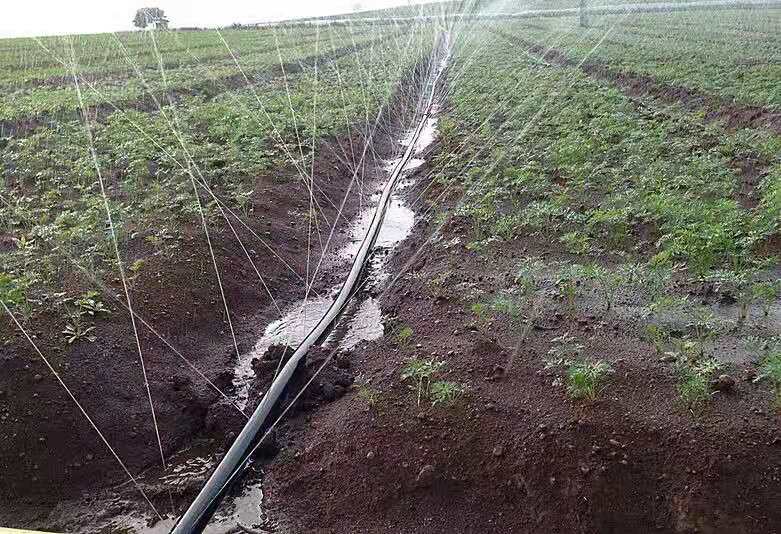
(362, 318)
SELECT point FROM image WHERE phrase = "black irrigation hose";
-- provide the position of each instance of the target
(195, 519)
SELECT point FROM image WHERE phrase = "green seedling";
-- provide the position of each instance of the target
(608, 282)
(694, 382)
(576, 243)
(368, 395)
(564, 350)
(89, 304)
(421, 371)
(404, 336)
(766, 293)
(658, 336)
(567, 284)
(585, 378)
(444, 392)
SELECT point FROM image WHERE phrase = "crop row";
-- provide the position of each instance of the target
(737, 57)
(201, 77)
(646, 167)
(52, 204)
(117, 59)
(608, 200)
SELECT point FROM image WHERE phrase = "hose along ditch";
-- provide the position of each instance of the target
(237, 458)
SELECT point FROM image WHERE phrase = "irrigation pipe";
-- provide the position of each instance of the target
(199, 512)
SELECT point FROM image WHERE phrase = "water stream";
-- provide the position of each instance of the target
(362, 320)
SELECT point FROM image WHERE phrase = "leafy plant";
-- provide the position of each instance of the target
(404, 335)
(506, 305)
(608, 282)
(527, 275)
(771, 369)
(88, 304)
(444, 392)
(584, 378)
(567, 284)
(694, 382)
(368, 395)
(76, 330)
(576, 243)
(664, 302)
(564, 350)
(421, 371)
(11, 290)
(481, 310)
(766, 293)
(658, 336)
(705, 325)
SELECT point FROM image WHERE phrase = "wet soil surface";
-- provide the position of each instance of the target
(48, 452)
(57, 474)
(515, 453)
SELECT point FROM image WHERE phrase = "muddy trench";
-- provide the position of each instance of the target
(211, 423)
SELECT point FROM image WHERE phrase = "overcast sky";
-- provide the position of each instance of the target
(22, 18)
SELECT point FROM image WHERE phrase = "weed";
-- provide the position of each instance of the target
(576, 243)
(766, 293)
(404, 335)
(565, 349)
(771, 369)
(694, 382)
(368, 395)
(567, 284)
(76, 329)
(88, 304)
(439, 284)
(705, 325)
(421, 371)
(136, 266)
(686, 350)
(658, 336)
(528, 273)
(612, 223)
(444, 392)
(11, 290)
(481, 311)
(664, 303)
(608, 282)
(584, 378)
(507, 306)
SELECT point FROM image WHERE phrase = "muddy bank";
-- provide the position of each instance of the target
(49, 452)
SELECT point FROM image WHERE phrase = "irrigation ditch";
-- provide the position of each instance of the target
(235, 460)
(380, 222)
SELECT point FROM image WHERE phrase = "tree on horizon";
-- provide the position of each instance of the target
(153, 16)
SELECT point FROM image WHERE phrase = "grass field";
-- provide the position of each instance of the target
(581, 332)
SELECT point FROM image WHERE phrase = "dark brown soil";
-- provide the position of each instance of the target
(516, 453)
(48, 451)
